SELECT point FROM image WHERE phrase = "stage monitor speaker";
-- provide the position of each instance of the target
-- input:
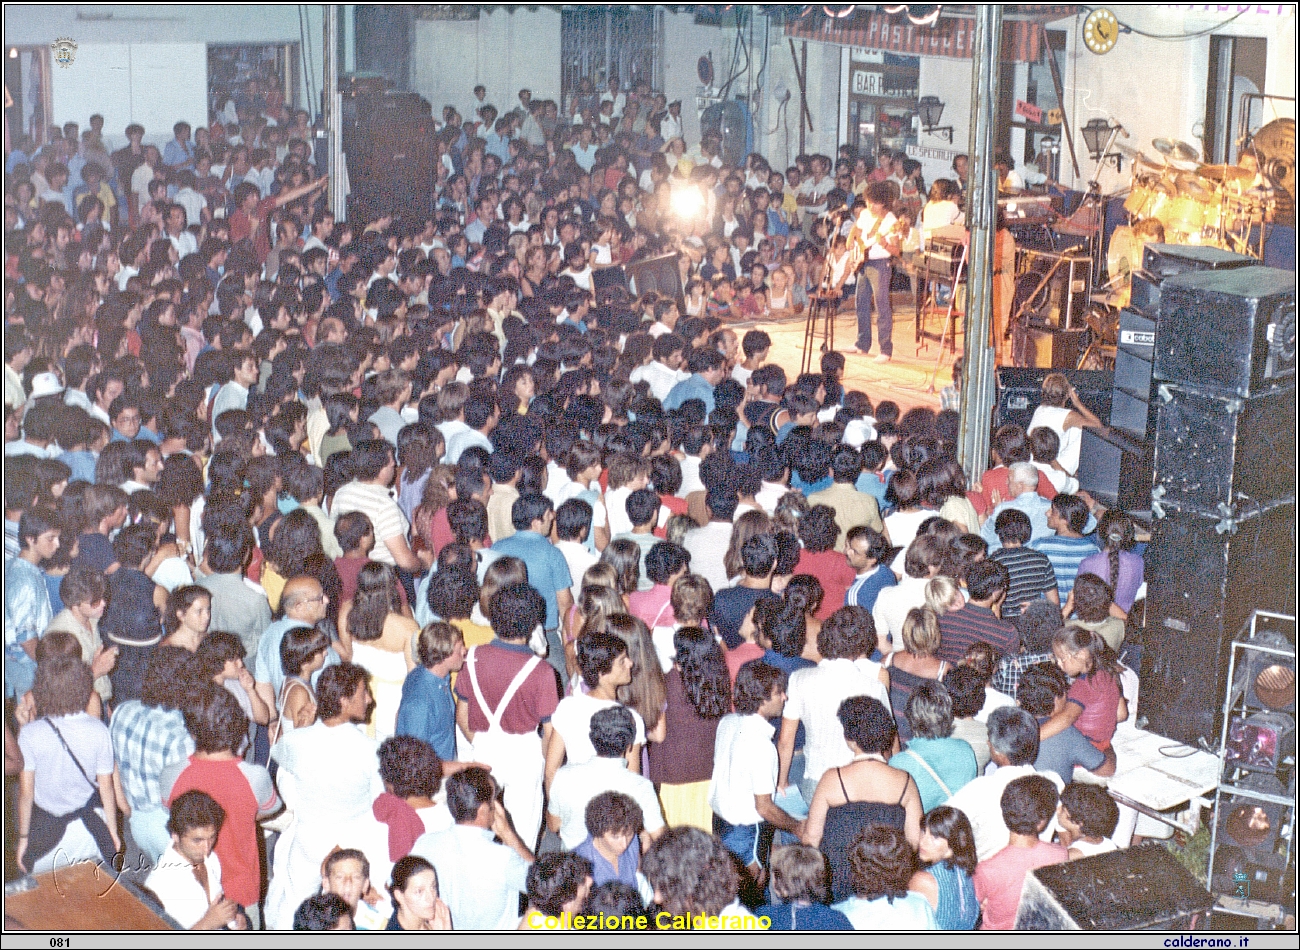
(1021, 390)
(1205, 574)
(1232, 330)
(1169, 260)
(1130, 407)
(1214, 451)
(1116, 468)
(1045, 347)
(1138, 888)
(1052, 288)
(660, 274)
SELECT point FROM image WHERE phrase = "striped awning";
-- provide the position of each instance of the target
(950, 37)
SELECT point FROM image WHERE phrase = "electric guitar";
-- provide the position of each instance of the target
(858, 248)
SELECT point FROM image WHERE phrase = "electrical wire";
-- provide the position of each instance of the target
(1175, 37)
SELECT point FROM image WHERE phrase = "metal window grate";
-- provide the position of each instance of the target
(600, 42)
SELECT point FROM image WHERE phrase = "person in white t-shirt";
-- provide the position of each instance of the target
(605, 666)
(874, 234)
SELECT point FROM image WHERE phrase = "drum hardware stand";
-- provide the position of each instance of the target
(950, 321)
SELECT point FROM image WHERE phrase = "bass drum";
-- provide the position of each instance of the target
(1123, 257)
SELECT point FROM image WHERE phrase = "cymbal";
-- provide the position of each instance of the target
(1226, 174)
(1178, 154)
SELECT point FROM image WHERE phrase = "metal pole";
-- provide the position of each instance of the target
(333, 107)
(978, 379)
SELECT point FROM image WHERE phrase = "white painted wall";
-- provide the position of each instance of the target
(154, 84)
(950, 80)
(779, 136)
(504, 50)
(181, 32)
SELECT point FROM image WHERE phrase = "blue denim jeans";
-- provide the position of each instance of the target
(873, 292)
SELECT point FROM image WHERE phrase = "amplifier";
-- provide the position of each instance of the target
(942, 259)
(1052, 289)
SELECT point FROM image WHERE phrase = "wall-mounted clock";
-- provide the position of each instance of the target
(1100, 31)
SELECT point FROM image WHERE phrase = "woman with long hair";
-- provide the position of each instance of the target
(375, 635)
(646, 693)
(186, 618)
(416, 902)
(625, 557)
(698, 695)
(947, 850)
(1117, 565)
(746, 526)
(419, 447)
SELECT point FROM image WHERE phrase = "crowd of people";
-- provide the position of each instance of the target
(404, 573)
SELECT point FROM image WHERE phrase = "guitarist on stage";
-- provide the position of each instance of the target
(874, 241)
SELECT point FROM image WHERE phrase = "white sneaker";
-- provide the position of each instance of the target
(883, 357)
(861, 351)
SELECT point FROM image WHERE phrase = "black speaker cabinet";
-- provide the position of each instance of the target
(1168, 260)
(1130, 406)
(1139, 888)
(1205, 574)
(1020, 391)
(1115, 468)
(1214, 450)
(606, 278)
(1144, 295)
(660, 274)
(1231, 330)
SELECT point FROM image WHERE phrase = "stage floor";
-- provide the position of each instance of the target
(906, 379)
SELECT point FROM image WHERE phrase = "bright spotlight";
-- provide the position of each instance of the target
(687, 203)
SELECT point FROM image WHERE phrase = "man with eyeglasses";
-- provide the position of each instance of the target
(304, 603)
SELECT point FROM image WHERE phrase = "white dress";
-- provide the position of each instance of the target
(387, 674)
(328, 778)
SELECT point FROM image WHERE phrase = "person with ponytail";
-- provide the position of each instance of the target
(1095, 705)
(1117, 565)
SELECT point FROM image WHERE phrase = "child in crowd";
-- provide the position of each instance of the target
(1088, 817)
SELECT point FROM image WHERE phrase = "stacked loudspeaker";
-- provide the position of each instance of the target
(1223, 501)
(1115, 465)
(392, 161)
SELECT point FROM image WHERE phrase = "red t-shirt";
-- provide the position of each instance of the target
(349, 569)
(1098, 694)
(999, 880)
(241, 226)
(241, 877)
(496, 665)
(832, 569)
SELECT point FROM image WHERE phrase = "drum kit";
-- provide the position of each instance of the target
(1220, 205)
(1224, 206)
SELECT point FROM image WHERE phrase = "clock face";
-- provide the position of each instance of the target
(1100, 31)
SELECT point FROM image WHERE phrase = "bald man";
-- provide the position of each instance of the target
(1022, 486)
(304, 604)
